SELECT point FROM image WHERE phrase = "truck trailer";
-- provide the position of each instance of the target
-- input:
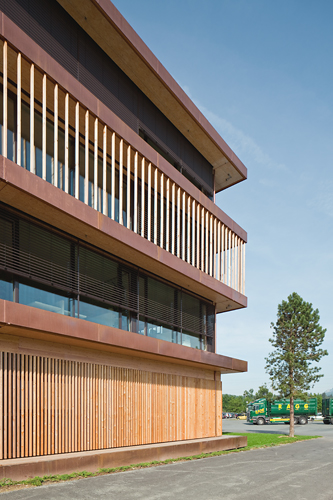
(327, 410)
(262, 411)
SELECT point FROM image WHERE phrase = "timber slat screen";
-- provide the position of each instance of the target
(50, 406)
(47, 131)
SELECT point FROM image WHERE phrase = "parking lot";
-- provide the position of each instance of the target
(313, 428)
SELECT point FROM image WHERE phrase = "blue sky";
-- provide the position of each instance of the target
(262, 73)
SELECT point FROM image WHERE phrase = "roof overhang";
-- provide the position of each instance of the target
(109, 29)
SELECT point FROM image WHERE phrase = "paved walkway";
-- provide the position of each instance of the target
(301, 471)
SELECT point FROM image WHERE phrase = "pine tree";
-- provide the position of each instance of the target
(296, 338)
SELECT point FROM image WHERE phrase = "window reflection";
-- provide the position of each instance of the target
(43, 299)
(99, 314)
(191, 340)
(6, 289)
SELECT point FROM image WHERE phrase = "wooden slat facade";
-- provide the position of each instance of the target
(50, 405)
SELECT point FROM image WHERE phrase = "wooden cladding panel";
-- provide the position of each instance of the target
(50, 406)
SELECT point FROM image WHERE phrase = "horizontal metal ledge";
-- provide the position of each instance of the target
(24, 468)
(26, 321)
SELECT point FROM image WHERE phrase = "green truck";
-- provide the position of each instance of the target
(327, 410)
(262, 411)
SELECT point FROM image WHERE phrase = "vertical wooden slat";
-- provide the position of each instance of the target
(19, 109)
(149, 204)
(222, 252)
(30, 406)
(167, 229)
(95, 163)
(49, 400)
(105, 136)
(13, 419)
(77, 394)
(109, 407)
(87, 427)
(100, 407)
(143, 187)
(41, 406)
(202, 239)
(155, 204)
(114, 407)
(1, 405)
(5, 406)
(173, 221)
(243, 270)
(207, 247)
(70, 402)
(93, 407)
(18, 400)
(56, 405)
(52, 409)
(178, 236)
(77, 150)
(73, 415)
(113, 174)
(232, 260)
(229, 258)
(32, 119)
(67, 143)
(189, 230)
(214, 263)
(46, 408)
(226, 256)
(44, 127)
(62, 414)
(162, 212)
(135, 208)
(121, 178)
(86, 157)
(55, 136)
(183, 238)
(85, 399)
(198, 236)
(34, 407)
(218, 276)
(66, 430)
(26, 405)
(5, 100)
(128, 190)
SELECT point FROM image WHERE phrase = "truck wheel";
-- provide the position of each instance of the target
(331, 420)
(296, 420)
(302, 420)
(260, 421)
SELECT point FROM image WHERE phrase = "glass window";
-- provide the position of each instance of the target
(6, 288)
(126, 321)
(142, 325)
(43, 299)
(162, 332)
(191, 340)
(98, 314)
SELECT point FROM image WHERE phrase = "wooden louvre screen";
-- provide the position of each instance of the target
(51, 406)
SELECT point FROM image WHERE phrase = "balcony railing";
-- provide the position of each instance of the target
(53, 135)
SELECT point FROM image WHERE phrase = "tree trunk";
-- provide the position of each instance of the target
(292, 416)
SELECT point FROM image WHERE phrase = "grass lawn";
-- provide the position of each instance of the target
(254, 440)
(264, 440)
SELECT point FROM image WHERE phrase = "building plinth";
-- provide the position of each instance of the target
(91, 461)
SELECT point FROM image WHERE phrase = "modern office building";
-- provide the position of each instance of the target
(114, 257)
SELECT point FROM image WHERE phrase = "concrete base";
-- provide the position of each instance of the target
(24, 468)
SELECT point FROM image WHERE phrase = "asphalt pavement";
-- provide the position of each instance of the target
(313, 428)
(301, 471)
